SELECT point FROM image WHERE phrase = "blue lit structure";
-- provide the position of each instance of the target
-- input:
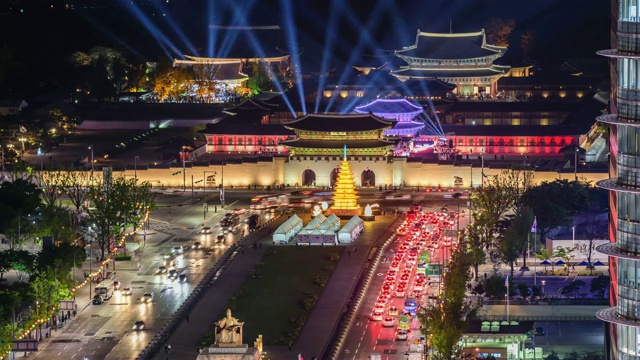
(400, 110)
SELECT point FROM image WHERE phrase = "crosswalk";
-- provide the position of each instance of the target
(162, 226)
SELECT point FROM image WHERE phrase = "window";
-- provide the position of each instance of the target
(250, 141)
(240, 141)
(220, 141)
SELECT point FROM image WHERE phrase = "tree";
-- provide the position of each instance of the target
(22, 262)
(475, 247)
(56, 222)
(75, 185)
(528, 44)
(544, 254)
(498, 31)
(600, 284)
(594, 219)
(17, 198)
(573, 289)
(514, 239)
(446, 321)
(553, 203)
(62, 257)
(116, 204)
(5, 262)
(51, 183)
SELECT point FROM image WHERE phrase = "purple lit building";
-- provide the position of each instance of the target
(399, 110)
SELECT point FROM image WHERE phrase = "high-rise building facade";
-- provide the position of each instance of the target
(623, 318)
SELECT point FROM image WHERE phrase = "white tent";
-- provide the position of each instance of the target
(317, 237)
(351, 230)
(315, 222)
(287, 229)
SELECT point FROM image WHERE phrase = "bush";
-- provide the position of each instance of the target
(122, 257)
(320, 281)
(335, 257)
(328, 267)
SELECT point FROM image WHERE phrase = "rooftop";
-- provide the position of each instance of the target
(389, 106)
(448, 73)
(339, 123)
(450, 46)
(336, 144)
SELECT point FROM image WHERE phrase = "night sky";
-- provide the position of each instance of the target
(565, 29)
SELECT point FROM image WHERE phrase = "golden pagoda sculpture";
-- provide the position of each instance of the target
(345, 196)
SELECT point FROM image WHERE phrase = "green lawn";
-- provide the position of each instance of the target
(272, 300)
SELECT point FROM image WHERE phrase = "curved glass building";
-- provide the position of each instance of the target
(623, 317)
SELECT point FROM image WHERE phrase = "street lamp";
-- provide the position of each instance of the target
(575, 168)
(222, 187)
(184, 168)
(135, 168)
(91, 148)
(544, 282)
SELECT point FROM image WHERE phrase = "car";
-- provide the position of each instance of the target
(205, 230)
(401, 335)
(173, 274)
(147, 297)
(388, 322)
(126, 291)
(182, 278)
(239, 211)
(97, 300)
(393, 311)
(139, 325)
(376, 317)
(196, 245)
(177, 250)
(161, 270)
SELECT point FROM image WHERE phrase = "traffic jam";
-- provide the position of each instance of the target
(423, 243)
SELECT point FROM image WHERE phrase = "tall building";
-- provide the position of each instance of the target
(623, 318)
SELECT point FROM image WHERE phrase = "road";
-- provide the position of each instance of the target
(106, 331)
(366, 336)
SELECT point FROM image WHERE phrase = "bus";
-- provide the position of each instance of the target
(262, 202)
(106, 288)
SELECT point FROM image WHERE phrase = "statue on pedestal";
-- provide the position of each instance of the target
(228, 331)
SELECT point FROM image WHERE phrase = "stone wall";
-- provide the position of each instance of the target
(283, 170)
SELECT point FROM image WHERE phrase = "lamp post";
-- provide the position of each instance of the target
(573, 243)
(91, 148)
(222, 187)
(184, 169)
(575, 168)
(135, 168)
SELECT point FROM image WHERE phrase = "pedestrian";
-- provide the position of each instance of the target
(349, 252)
(166, 349)
(485, 276)
(187, 318)
(260, 244)
(289, 346)
(169, 348)
(355, 249)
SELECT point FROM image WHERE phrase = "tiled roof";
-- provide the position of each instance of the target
(511, 130)
(449, 46)
(339, 123)
(229, 128)
(336, 144)
(449, 73)
(389, 106)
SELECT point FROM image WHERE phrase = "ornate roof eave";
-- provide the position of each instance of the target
(203, 60)
(488, 58)
(611, 315)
